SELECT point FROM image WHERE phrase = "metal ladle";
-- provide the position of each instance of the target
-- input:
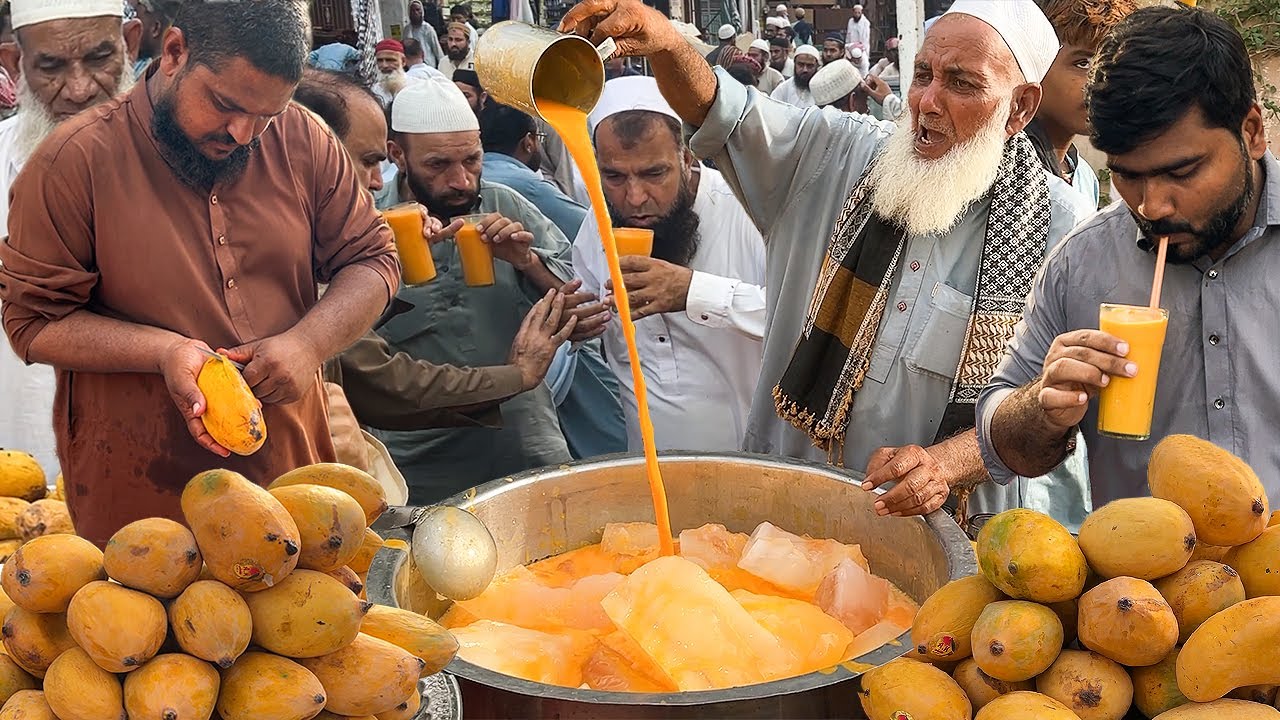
(453, 550)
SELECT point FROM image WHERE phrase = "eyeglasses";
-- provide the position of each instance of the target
(540, 136)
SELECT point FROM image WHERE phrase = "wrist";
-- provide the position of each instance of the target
(525, 264)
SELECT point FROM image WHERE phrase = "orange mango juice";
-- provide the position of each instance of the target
(571, 124)
(633, 241)
(1125, 405)
(416, 265)
(477, 256)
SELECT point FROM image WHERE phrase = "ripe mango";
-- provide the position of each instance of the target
(1221, 493)
(910, 688)
(1258, 562)
(1145, 538)
(1128, 621)
(35, 640)
(1089, 684)
(246, 536)
(44, 517)
(1016, 640)
(233, 416)
(1028, 555)
(407, 710)
(77, 689)
(1221, 710)
(308, 614)
(1025, 706)
(980, 687)
(212, 622)
(43, 575)
(10, 509)
(154, 555)
(172, 687)
(27, 705)
(1234, 648)
(330, 523)
(1198, 591)
(357, 483)
(945, 621)
(119, 628)
(14, 679)
(367, 677)
(417, 634)
(1155, 687)
(21, 476)
(260, 685)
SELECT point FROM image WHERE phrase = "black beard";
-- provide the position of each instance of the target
(447, 207)
(676, 236)
(1217, 234)
(185, 159)
(802, 82)
(457, 55)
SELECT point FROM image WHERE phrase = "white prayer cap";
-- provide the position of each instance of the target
(638, 92)
(1023, 26)
(431, 106)
(31, 12)
(760, 44)
(726, 32)
(808, 50)
(856, 53)
(857, 7)
(833, 81)
(775, 21)
(780, 8)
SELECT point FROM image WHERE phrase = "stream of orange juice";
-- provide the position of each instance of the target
(571, 124)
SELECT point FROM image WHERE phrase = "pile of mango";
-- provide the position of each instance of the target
(27, 509)
(252, 611)
(1168, 604)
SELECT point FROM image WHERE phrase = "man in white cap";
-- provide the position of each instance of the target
(835, 84)
(54, 42)
(877, 342)
(150, 231)
(857, 33)
(728, 36)
(775, 26)
(795, 90)
(435, 143)
(699, 300)
(768, 79)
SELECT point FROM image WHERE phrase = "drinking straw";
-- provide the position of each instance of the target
(1159, 278)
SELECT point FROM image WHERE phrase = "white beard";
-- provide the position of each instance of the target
(928, 197)
(35, 122)
(394, 81)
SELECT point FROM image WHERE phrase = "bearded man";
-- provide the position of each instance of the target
(1172, 103)
(71, 56)
(200, 211)
(459, 50)
(388, 55)
(873, 352)
(794, 90)
(435, 143)
(699, 301)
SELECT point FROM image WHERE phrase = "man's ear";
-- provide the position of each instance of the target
(1026, 100)
(10, 59)
(132, 37)
(396, 153)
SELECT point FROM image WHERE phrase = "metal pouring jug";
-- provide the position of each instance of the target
(517, 63)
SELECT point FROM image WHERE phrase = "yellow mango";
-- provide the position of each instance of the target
(35, 640)
(1025, 706)
(1234, 648)
(77, 689)
(357, 483)
(330, 522)
(119, 628)
(308, 614)
(14, 679)
(1198, 591)
(980, 687)
(247, 538)
(21, 476)
(260, 685)
(909, 688)
(27, 705)
(44, 517)
(943, 625)
(1016, 640)
(1028, 555)
(1128, 621)
(1221, 493)
(1145, 538)
(1221, 710)
(172, 687)
(1089, 684)
(43, 575)
(232, 415)
(367, 677)
(1155, 687)
(211, 622)
(154, 555)
(417, 634)
(1258, 562)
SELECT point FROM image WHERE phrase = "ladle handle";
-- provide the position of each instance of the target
(606, 49)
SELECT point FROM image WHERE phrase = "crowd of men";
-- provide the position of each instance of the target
(903, 285)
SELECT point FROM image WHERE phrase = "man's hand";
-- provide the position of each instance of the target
(637, 28)
(923, 483)
(876, 88)
(280, 369)
(181, 367)
(540, 336)
(590, 315)
(1078, 365)
(654, 286)
(509, 241)
(435, 231)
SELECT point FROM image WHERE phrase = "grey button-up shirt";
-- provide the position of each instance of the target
(793, 169)
(1218, 373)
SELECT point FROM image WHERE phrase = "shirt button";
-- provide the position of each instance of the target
(231, 283)
(1213, 339)
(902, 307)
(661, 339)
(222, 239)
(706, 316)
(213, 199)
(1219, 404)
(915, 265)
(1213, 274)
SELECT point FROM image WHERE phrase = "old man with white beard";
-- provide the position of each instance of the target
(898, 258)
(72, 55)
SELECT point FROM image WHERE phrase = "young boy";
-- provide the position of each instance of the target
(1080, 25)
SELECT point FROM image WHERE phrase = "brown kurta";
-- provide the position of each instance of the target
(100, 222)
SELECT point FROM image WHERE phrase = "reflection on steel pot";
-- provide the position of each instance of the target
(554, 510)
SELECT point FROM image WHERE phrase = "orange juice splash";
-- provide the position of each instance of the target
(571, 124)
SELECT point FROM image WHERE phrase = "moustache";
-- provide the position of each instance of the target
(1158, 228)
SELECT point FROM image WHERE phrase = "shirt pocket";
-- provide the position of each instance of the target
(936, 350)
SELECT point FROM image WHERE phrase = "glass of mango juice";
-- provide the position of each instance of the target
(416, 264)
(1125, 405)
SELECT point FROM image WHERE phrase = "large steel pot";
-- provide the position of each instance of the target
(551, 511)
